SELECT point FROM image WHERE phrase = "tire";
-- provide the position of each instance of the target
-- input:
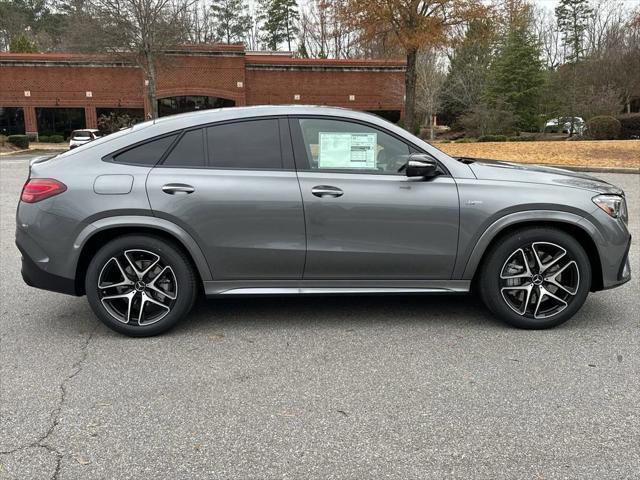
(135, 305)
(533, 297)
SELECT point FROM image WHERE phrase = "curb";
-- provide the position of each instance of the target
(15, 152)
(35, 150)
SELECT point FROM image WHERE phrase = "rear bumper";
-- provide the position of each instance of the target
(34, 276)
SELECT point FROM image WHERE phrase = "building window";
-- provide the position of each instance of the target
(173, 105)
(11, 121)
(59, 121)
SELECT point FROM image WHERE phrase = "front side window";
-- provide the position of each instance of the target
(342, 145)
(148, 153)
(253, 144)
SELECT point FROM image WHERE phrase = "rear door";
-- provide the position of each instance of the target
(365, 220)
(233, 187)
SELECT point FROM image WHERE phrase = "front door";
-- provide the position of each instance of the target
(230, 186)
(364, 219)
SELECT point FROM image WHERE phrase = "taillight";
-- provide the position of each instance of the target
(37, 189)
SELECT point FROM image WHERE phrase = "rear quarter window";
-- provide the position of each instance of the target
(148, 153)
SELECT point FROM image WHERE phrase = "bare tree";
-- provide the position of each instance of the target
(549, 37)
(606, 17)
(253, 41)
(142, 30)
(431, 77)
(412, 25)
(323, 34)
(199, 19)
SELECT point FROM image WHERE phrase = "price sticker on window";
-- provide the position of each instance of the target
(347, 150)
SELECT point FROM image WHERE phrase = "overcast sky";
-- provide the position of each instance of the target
(551, 4)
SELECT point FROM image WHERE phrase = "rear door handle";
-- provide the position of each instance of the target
(323, 191)
(177, 188)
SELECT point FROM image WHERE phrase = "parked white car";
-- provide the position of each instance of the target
(80, 137)
(563, 124)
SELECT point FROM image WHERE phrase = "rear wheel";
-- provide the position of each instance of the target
(535, 278)
(140, 285)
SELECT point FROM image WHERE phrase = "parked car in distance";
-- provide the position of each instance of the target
(563, 125)
(294, 200)
(80, 137)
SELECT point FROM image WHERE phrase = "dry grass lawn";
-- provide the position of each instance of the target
(603, 153)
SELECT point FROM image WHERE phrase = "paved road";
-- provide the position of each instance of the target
(360, 388)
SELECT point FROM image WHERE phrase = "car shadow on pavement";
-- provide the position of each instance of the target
(331, 311)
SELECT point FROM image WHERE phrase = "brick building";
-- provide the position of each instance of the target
(55, 93)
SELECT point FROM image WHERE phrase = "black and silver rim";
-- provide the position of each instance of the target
(539, 280)
(137, 287)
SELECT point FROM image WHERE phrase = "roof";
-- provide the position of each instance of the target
(339, 62)
(253, 59)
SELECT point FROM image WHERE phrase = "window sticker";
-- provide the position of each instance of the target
(347, 150)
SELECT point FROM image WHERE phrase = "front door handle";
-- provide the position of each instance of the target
(177, 188)
(323, 191)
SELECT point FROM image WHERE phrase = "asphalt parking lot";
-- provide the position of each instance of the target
(317, 388)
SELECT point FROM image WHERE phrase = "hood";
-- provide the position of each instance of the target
(518, 172)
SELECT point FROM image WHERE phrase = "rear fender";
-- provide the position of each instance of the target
(149, 223)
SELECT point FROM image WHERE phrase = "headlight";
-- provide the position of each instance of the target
(613, 205)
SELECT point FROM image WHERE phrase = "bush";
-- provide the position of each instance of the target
(3, 140)
(20, 141)
(630, 125)
(603, 127)
(492, 138)
(56, 138)
(466, 140)
(43, 138)
(484, 120)
(522, 138)
(113, 122)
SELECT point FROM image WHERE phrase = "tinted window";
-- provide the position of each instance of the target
(340, 145)
(189, 152)
(146, 154)
(254, 144)
(81, 134)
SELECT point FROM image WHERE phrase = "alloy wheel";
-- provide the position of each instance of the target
(539, 280)
(137, 287)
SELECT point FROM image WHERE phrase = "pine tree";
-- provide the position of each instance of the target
(516, 78)
(468, 68)
(573, 18)
(232, 20)
(22, 44)
(280, 19)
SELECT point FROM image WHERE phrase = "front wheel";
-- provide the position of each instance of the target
(535, 278)
(140, 285)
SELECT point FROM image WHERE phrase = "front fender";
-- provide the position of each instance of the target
(466, 266)
(156, 223)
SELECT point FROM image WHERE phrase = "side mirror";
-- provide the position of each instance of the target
(420, 165)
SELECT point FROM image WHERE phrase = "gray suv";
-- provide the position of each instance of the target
(310, 200)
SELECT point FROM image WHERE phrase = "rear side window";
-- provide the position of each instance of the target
(189, 152)
(146, 154)
(81, 134)
(253, 144)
